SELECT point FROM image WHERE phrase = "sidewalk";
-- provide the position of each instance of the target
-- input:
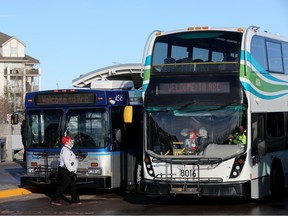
(10, 173)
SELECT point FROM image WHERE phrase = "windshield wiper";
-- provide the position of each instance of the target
(187, 105)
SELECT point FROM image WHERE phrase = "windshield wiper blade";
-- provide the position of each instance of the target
(187, 105)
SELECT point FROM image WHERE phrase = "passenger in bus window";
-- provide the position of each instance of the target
(240, 137)
(227, 57)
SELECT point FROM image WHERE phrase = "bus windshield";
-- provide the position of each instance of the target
(197, 132)
(197, 51)
(44, 128)
(88, 127)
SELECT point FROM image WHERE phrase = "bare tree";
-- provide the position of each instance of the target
(6, 104)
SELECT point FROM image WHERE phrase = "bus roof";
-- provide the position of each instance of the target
(231, 29)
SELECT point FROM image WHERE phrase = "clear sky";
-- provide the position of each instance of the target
(74, 37)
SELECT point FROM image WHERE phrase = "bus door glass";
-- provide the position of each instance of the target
(44, 128)
(126, 136)
(88, 127)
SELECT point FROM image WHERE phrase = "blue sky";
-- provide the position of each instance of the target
(74, 37)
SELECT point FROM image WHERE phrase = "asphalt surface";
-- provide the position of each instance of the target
(10, 174)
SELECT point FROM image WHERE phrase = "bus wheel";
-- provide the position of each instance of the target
(277, 181)
(138, 176)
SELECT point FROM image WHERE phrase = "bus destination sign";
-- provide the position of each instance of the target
(65, 98)
(193, 87)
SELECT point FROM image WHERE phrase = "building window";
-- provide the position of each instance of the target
(14, 51)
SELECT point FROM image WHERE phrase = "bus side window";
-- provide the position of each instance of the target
(258, 137)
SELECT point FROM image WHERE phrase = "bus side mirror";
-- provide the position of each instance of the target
(14, 119)
(128, 114)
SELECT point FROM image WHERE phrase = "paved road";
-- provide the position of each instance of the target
(97, 202)
(112, 203)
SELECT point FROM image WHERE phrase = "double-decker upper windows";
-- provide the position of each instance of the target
(271, 55)
(196, 51)
(258, 52)
(285, 56)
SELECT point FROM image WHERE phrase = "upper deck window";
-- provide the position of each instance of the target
(270, 55)
(197, 51)
(285, 56)
(274, 57)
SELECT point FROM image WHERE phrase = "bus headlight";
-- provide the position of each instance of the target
(149, 167)
(94, 171)
(237, 166)
(30, 170)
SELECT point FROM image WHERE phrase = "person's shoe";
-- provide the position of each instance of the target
(76, 203)
(55, 203)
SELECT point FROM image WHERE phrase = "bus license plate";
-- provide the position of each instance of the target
(188, 173)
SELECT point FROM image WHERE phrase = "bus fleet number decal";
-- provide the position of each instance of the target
(188, 173)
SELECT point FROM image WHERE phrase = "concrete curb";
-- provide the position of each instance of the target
(14, 192)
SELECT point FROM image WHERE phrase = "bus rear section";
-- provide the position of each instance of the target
(108, 149)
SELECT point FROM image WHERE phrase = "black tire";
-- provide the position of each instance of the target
(138, 176)
(277, 181)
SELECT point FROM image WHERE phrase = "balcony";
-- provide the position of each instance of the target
(32, 71)
(19, 72)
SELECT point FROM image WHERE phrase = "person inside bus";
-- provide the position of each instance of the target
(195, 140)
(240, 137)
(67, 173)
(227, 57)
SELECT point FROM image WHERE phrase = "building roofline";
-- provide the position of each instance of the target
(27, 59)
(4, 38)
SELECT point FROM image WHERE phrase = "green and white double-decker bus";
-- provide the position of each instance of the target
(216, 113)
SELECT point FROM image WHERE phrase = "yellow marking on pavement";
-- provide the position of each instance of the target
(14, 192)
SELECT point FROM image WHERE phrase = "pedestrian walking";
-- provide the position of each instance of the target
(67, 173)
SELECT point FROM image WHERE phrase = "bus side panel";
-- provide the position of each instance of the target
(116, 169)
(123, 169)
(260, 184)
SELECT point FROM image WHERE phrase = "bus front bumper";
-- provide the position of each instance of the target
(231, 189)
(103, 182)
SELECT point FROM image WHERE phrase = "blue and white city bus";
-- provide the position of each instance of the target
(200, 86)
(107, 147)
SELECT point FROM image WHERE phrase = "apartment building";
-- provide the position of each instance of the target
(18, 70)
